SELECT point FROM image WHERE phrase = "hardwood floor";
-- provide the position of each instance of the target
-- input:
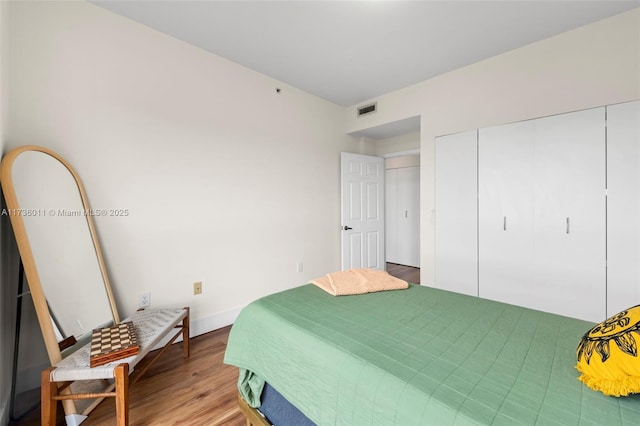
(198, 391)
(407, 273)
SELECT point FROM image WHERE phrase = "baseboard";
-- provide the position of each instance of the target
(214, 322)
(205, 325)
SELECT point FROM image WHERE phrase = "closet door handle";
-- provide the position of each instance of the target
(406, 213)
(568, 225)
(504, 224)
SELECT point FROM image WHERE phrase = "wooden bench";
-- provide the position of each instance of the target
(73, 379)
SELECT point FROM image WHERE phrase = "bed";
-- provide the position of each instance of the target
(420, 356)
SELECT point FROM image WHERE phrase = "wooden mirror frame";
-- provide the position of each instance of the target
(24, 248)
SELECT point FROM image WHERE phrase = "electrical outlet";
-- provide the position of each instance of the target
(145, 300)
(300, 266)
(197, 287)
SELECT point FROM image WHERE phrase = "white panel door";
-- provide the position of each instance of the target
(362, 193)
(505, 212)
(570, 234)
(456, 213)
(623, 206)
(408, 216)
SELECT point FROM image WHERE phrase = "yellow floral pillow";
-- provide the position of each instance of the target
(608, 355)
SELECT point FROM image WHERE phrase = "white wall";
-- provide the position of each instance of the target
(7, 291)
(401, 143)
(594, 65)
(388, 147)
(402, 161)
(226, 181)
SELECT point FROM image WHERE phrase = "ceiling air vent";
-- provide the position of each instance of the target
(367, 109)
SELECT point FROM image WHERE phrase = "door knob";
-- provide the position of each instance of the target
(346, 228)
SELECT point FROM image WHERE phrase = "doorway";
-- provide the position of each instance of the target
(402, 209)
(399, 144)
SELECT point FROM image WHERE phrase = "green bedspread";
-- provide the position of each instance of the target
(420, 356)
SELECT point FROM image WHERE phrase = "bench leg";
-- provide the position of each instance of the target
(48, 406)
(122, 394)
(185, 335)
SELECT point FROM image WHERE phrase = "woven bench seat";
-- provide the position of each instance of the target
(152, 327)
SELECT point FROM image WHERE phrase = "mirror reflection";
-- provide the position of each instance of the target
(56, 224)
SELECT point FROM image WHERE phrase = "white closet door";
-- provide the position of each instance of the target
(570, 234)
(408, 216)
(623, 206)
(456, 213)
(505, 212)
(391, 220)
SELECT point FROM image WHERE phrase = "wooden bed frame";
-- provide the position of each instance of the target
(254, 418)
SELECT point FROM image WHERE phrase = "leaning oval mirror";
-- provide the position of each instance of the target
(58, 246)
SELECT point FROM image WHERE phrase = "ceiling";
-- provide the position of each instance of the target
(351, 51)
(348, 52)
